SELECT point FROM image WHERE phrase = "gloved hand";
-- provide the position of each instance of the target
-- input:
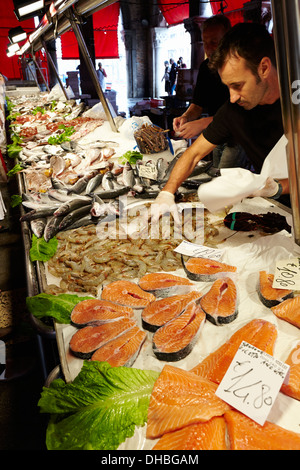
(270, 189)
(164, 204)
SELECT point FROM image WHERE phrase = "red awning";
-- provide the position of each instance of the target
(10, 66)
(233, 10)
(105, 24)
(174, 12)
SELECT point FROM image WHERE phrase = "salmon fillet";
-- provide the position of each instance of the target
(161, 311)
(289, 310)
(268, 295)
(201, 436)
(259, 333)
(180, 398)
(219, 303)
(205, 269)
(127, 293)
(292, 389)
(123, 350)
(86, 340)
(164, 284)
(246, 434)
(97, 311)
(176, 339)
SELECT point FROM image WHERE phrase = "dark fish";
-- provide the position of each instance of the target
(71, 205)
(81, 184)
(38, 226)
(74, 215)
(93, 183)
(37, 214)
(52, 227)
(112, 193)
(194, 183)
(56, 184)
(86, 220)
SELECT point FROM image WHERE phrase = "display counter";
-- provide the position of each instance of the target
(84, 261)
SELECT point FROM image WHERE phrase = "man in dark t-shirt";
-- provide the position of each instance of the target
(209, 95)
(245, 60)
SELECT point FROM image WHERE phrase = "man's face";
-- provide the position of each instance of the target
(211, 38)
(245, 88)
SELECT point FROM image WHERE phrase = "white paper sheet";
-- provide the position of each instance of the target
(235, 184)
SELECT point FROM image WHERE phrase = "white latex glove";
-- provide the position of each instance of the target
(269, 190)
(164, 204)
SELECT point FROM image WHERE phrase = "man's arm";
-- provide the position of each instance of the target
(194, 128)
(187, 162)
(193, 112)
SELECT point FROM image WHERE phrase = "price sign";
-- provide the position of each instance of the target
(148, 171)
(252, 382)
(287, 274)
(200, 251)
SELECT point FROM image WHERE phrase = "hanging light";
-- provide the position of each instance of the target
(16, 34)
(25, 9)
(12, 49)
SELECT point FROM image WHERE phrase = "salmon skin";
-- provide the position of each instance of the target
(97, 311)
(205, 269)
(201, 436)
(127, 293)
(246, 434)
(87, 340)
(180, 398)
(123, 350)
(289, 310)
(267, 294)
(165, 284)
(176, 339)
(259, 333)
(220, 302)
(292, 388)
(161, 311)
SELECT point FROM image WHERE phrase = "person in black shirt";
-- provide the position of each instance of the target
(209, 95)
(245, 60)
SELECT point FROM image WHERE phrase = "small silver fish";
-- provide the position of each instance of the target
(38, 226)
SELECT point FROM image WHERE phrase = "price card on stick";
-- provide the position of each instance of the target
(287, 274)
(252, 382)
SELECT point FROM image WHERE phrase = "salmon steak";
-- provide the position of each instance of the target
(292, 388)
(289, 311)
(123, 350)
(205, 269)
(127, 293)
(165, 284)
(269, 295)
(246, 434)
(176, 339)
(220, 302)
(259, 333)
(161, 311)
(180, 398)
(201, 436)
(97, 311)
(87, 340)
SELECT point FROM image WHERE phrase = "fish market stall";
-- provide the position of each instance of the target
(71, 162)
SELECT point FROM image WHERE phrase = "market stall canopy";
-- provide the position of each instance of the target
(105, 35)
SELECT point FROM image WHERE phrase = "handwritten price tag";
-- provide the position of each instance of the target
(287, 274)
(252, 382)
(148, 171)
(200, 251)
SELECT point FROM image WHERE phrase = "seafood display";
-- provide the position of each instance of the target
(151, 305)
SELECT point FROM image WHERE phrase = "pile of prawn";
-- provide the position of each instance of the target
(84, 262)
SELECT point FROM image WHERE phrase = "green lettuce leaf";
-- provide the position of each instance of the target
(41, 250)
(58, 306)
(99, 409)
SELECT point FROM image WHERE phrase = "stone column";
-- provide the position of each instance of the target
(159, 37)
(193, 26)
